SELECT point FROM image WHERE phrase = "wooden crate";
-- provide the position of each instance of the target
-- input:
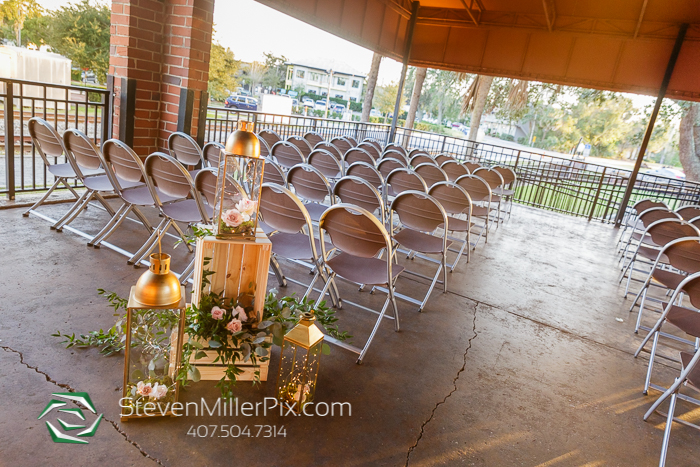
(236, 263)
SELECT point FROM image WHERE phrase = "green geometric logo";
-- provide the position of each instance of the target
(58, 436)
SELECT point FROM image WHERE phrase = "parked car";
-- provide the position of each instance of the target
(307, 101)
(295, 103)
(375, 113)
(320, 104)
(667, 172)
(339, 108)
(241, 102)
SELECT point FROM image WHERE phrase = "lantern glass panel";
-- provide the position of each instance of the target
(296, 383)
(152, 359)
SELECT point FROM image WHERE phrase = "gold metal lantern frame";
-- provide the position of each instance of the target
(238, 185)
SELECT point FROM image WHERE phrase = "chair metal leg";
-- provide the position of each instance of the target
(444, 271)
(667, 430)
(651, 362)
(70, 188)
(374, 330)
(432, 286)
(396, 308)
(277, 270)
(142, 218)
(187, 272)
(150, 243)
(113, 223)
(104, 203)
(641, 310)
(43, 198)
(76, 209)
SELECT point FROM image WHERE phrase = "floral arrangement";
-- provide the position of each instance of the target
(160, 391)
(240, 219)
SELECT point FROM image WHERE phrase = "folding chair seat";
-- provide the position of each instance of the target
(480, 193)
(127, 176)
(311, 186)
(313, 138)
(442, 158)
(453, 169)
(287, 155)
(186, 150)
(357, 155)
(360, 192)
(269, 137)
(342, 143)
(185, 205)
(360, 238)
(326, 163)
(325, 145)
(495, 181)
(431, 173)
(418, 215)
(49, 145)
(301, 144)
(293, 239)
(212, 154)
(84, 157)
(273, 173)
(373, 150)
(421, 158)
(456, 202)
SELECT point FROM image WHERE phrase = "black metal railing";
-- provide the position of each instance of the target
(555, 183)
(64, 106)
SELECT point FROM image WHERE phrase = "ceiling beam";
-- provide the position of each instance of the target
(469, 10)
(641, 17)
(549, 13)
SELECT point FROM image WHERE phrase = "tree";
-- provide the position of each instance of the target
(254, 75)
(80, 32)
(688, 141)
(223, 68)
(14, 13)
(371, 84)
(475, 99)
(415, 96)
(276, 71)
(386, 99)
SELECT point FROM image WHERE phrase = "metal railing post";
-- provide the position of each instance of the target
(10, 139)
(444, 140)
(597, 194)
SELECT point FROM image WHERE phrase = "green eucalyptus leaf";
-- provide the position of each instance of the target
(261, 351)
(194, 374)
(326, 349)
(200, 354)
(214, 344)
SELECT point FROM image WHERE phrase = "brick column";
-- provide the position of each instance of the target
(163, 46)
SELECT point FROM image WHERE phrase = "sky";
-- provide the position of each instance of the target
(249, 29)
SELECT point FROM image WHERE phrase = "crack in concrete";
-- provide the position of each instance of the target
(71, 389)
(454, 388)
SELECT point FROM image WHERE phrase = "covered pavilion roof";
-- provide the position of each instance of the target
(621, 45)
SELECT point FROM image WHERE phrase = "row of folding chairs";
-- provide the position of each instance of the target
(659, 248)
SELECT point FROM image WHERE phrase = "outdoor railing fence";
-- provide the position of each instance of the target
(555, 183)
(64, 106)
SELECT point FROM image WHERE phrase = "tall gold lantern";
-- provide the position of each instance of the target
(299, 362)
(154, 333)
(238, 185)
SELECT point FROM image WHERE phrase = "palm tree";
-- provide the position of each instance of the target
(475, 100)
(415, 96)
(371, 84)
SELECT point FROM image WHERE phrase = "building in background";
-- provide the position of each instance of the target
(313, 77)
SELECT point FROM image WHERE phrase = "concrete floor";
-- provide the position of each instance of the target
(522, 362)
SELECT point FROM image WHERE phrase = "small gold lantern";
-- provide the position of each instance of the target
(301, 352)
(154, 331)
(238, 185)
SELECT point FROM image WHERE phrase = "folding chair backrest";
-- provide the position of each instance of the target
(655, 214)
(326, 163)
(666, 230)
(309, 183)
(431, 174)
(366, 172)
(371, 149)
(415, 152)
(264, 148)
(352, 140)
(406, 180)
(122, 161)
(358, 155)
(330, 148)
(300, 143)
(45, 139)
(355, 190)
(83, 151)
(313, 138)
(396, 147)
(419, 211)
(492, 177)
(354, 230)
(386, 166)
(643, 205)
(452, 197)
(169, 175)
(454, 169)
(419, 159)
(442, 158)
(270, 137)
(342, 143)
(393, 154)
(684, 254)
(476, 186)
(205, 184)
(471, 166)
(287, 155)
(282, 210)
(507, 174)
(212, 153)
(374, 143)
(185, 149)
(689, 212)
(273, 173)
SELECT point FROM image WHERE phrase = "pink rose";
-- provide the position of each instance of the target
(232, 218)
(144, 389)
(159, 391)
(246, 206)
(217, 313)
(241, 313)
(234, 326)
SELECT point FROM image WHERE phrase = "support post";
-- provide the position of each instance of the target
(108, 111)
(184, 110)
(652, 120)
(127, 109)
(10, 139)
(404, 68)
(202, 119)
